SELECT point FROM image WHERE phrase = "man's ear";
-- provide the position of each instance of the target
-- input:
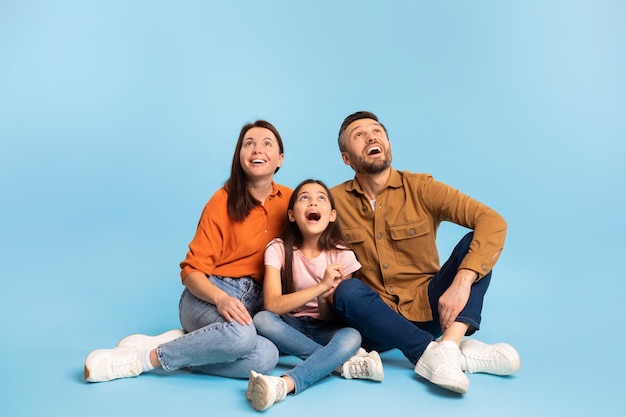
(345, 157)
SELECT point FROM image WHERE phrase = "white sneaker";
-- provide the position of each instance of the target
(363, 365)
(496, 359)
(265, 391)
(148, 343)
(107, 364)
(441, 364)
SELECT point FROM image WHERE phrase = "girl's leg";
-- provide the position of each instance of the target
(322, 346)
(287, 333)
(342, 346)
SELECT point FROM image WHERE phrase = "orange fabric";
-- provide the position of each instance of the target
(232, 249)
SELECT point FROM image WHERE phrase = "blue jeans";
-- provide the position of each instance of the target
(382, 328)
(323, 346)
(213, 345)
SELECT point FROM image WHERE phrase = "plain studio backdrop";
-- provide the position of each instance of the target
(118, 121)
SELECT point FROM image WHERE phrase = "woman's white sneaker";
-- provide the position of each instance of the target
(108, 364)
(143, 342)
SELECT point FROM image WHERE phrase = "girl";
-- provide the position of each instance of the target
(222, 275)
(313, 259)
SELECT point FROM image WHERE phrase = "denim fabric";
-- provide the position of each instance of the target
(323, 346)
(213, 345)
(382, 328)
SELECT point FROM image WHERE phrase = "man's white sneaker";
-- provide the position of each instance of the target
(107, 364)
(363, 365)
(265, 391)
(496, 359)
(441, 364)
(148, 343)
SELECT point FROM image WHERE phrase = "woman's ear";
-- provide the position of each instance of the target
(290, 216)
(333, 215)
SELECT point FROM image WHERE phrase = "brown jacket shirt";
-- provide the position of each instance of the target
(395, 243)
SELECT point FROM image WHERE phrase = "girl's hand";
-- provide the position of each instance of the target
(332, 277)
(231, 308)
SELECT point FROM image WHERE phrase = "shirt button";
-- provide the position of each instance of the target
(364, 208)
(484, 267)
(348, 237)
(379, 236)
(385, 266)
(412, 232)
(391, 289)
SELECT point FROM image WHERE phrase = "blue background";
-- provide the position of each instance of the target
(118, 120)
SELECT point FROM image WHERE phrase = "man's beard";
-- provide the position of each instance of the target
(361, 166)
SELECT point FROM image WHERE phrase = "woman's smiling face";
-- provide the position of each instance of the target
(260, 153)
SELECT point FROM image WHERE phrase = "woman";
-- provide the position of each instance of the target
(222, 275)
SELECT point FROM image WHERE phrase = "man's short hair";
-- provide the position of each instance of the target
(352, 118)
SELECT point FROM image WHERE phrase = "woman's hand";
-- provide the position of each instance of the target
(231, 308)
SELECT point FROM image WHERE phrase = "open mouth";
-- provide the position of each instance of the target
(313, 216)
(257, 161)
(374, 150)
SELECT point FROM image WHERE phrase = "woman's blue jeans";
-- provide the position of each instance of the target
(382, 328)
(323, 346)
(214, 346)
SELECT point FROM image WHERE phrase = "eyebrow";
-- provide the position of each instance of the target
(314, 192)
(265, 138)
(361, 126)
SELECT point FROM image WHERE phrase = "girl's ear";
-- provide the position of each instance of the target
(290, 216)
(333, 215)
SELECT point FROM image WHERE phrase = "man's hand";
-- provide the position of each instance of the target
(455, 298)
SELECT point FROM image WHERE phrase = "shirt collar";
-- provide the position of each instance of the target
(394, 181)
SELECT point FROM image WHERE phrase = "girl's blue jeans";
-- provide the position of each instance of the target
(382, 328)
(323, 346)
(214, 346)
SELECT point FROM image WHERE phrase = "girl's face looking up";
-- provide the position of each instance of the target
(312, 210)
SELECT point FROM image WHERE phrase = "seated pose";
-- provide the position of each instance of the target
(404, 299)
(302, 269)
(222, 275)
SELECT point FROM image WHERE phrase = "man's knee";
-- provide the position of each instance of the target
(350, 289)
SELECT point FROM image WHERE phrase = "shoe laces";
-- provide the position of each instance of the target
(475, 362)
(122, 367)
(451, 355)
(360, 368)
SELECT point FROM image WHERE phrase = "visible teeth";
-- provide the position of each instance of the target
(374, 149)
(257, 161)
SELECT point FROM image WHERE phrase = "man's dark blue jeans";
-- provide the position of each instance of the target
(382, 328)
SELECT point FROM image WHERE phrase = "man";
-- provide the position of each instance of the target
(403, 299)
